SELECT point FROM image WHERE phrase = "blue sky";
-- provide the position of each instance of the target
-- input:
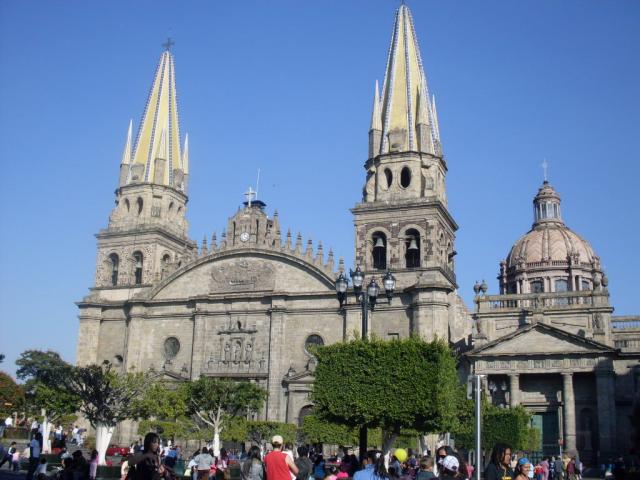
(286, 86)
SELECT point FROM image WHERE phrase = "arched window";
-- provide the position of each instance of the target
(379, 250)
(127, 204)
(166, 263)
(115, 264)
(140, 205)
(412, 249)
(561, 285)
(405, 177)
(585, 285)
(138, 264)
(450, 255)
(388, 176)
(536, 286)
(312, 342)
(304, 411)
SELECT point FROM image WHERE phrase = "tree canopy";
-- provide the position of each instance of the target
(11, 395)
(106, 396)
(392, 385)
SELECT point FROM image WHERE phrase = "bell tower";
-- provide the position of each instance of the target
(403, 223)
(146, 237)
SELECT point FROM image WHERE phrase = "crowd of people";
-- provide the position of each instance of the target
(149, 460)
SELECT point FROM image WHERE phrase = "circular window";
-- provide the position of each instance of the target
(171, 347)
(312, 342)
(405, 177)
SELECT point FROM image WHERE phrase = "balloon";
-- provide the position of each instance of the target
(401, 454)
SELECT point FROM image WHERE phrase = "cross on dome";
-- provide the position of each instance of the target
(545, 169)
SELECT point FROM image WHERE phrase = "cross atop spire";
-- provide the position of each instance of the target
(168, 44)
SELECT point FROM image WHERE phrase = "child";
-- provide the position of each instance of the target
(15, 460)
(93, 465)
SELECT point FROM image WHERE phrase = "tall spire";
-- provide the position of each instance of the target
(160, 114)
(125, 163)
(126, 154)
(405, 95)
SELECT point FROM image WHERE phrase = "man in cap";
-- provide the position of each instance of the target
(279, 465)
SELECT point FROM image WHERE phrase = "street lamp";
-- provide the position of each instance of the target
(367, 300)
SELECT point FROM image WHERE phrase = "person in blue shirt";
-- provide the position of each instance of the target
(374, 468)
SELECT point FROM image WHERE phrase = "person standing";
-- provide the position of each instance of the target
(35, 448)
(374, 468)
(544, 464)
(93, 465)
(147, 465)
(252, 467)
(426, 469)
(9, 454)
(278, 464)
(305, 467)
(499, 467)
(558, 468)
(522, 469)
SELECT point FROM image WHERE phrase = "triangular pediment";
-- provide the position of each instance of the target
(543, 339)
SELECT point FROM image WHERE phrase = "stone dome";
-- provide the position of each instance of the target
(550, 257)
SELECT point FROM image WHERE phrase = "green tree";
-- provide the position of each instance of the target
(45, 395)
(407, 383)
(107, 398)
(215, 401)
(165, 409)
(506, 425)
(11, 395)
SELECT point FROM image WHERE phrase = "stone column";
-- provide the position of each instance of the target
(606, 412)
(569, 401)
(514, 389)
(276, 410)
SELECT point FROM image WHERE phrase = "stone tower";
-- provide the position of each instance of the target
(146, 237)
(403, 224)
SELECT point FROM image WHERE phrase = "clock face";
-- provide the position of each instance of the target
(244, 237)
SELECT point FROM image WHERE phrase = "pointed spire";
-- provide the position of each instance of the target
(126, 154)
(214, 243)
(160, 112)
(185, 155)
(434, 113)
(376, 118)
(404, 82)
(162, 148)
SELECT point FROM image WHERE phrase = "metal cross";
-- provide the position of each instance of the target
(249, 194)
(545, 167)
(168, 44)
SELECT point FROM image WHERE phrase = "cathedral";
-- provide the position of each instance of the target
(250, 304)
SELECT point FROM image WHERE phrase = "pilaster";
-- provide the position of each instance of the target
(606, 412)
(276, 405)
(569, 402)
(514, 390)
(88, 336)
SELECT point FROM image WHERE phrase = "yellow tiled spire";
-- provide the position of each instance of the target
(160, 120)
(405, 95)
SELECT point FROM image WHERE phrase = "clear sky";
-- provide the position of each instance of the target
(286, 86)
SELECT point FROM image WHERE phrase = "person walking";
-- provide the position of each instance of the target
(499, 467)
(9, 454)
(279, 465)
(252, 467)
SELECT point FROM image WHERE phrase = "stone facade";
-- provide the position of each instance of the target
(248, 305)
(549, 341)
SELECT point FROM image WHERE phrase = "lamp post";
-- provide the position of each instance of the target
(367, 299)
(478, 427)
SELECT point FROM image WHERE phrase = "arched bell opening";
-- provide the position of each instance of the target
(379, 250)
(412, 249)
